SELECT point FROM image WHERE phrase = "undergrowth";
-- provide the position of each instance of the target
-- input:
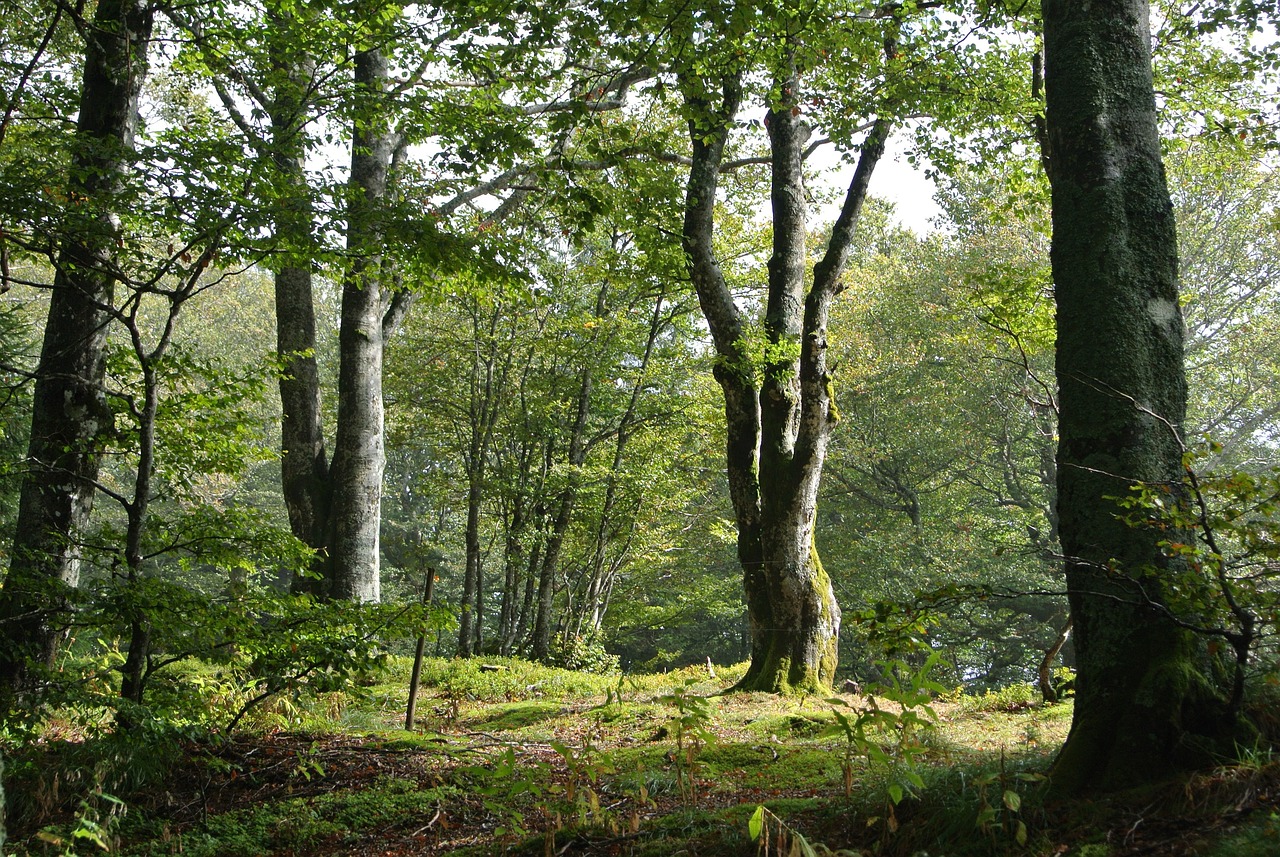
(513, 757)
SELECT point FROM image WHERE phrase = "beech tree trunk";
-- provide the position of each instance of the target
(69, 410)
(577, 455)
(304, 461)
(778, 415)
(359, 456)
(1144, 705)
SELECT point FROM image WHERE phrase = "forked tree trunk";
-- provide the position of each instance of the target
(779, 415)
(69, 410)
(1144, 706)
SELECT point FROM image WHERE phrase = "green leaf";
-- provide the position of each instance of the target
(755, 826)
(1013, 800)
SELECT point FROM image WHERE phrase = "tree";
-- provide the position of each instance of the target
(1144, 705)
(852, 76)
(70, 416)
(779, 413)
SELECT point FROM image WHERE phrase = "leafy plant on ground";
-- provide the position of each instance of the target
(503, 782)
(1002, 816)
(585, 767)
(691, 728)
(890, 741)
(95, 824)
(775, 838)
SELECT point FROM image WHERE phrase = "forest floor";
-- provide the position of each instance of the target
(526, 761)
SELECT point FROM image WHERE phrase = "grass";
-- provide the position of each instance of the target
(508, 760)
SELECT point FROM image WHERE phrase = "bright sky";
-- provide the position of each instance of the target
(907, 188)
(895, 180)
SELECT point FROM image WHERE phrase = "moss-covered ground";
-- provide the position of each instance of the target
(525, 760)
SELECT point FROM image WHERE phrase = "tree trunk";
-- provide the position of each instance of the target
(1144, 708)
(778, 416)
(487, 385)
(358, 455)
(69, 411)
(1047, 688)
(601, 570)
(560, 527)
(304, 462)
(513, 561)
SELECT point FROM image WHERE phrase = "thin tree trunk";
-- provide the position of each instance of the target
(134, 669)
(513, 560)
(415, 676)
(531, 582)
(69, 411)
(600, 579)
(1047, 690)
(560, 527)
(486, 385)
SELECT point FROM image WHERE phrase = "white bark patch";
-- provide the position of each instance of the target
(1163, 313)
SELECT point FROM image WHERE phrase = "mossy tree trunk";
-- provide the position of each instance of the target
(1144, 707)
(779, 413)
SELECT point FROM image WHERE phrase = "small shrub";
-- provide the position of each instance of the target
(585, 654)
(1015, 697)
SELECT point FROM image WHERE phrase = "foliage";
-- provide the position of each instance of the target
(515, 679)
(1014, 697)
(773, 836)
(890, 741)
(1220, 535)
(1002, 816)
(584, 654)
(691, 728)
(96, 822)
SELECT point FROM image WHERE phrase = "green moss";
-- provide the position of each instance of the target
(829, 658)
(518, 715)
(833, 412)
(795, 725)
(303, 824)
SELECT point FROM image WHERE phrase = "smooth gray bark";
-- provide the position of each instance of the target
(359, 456)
